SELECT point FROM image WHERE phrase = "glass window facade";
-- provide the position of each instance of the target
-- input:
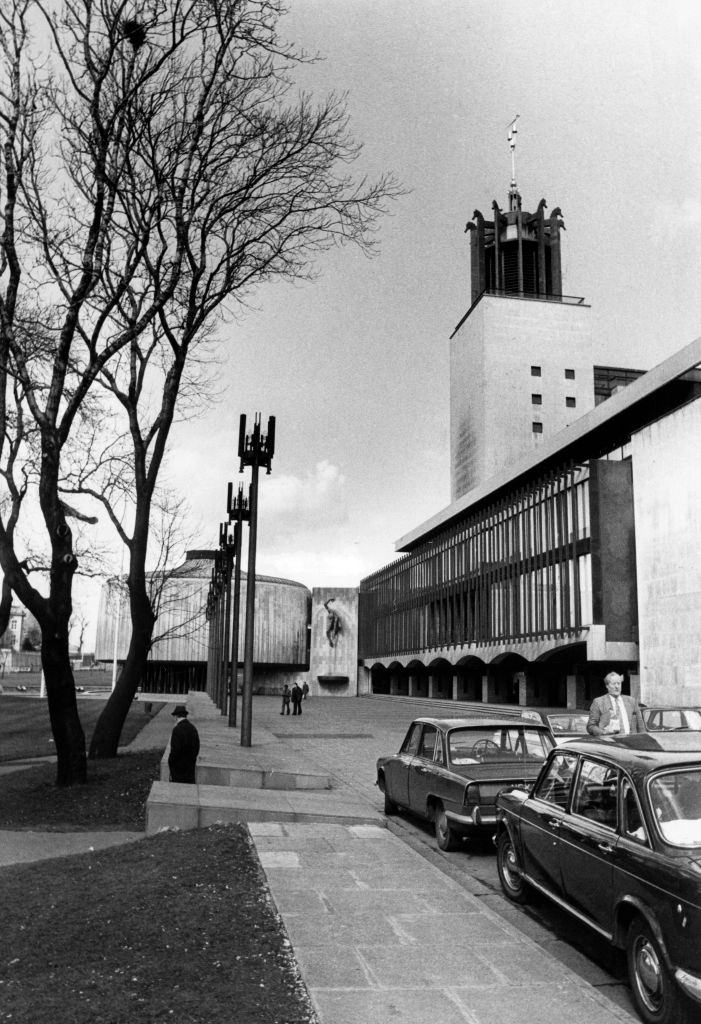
(517, 570)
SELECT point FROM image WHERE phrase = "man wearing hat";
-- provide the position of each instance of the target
(184, 747)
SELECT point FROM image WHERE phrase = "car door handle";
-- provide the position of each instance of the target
(554, 823)
(421, 770)
(605, 847)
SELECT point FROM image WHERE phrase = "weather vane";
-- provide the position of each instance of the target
(513, 131)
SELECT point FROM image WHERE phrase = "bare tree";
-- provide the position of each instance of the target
(155, 168)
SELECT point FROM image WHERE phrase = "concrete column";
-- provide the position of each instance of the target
(635, 686)
(411, 685)
(571, 691)
(485, 689)
(454, 693)
(430, 686)
(364, 680)
(522, 689)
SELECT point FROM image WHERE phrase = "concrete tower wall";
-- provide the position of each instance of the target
(667, 495)
(492, 410)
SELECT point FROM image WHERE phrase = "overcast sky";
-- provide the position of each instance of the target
(355, 365)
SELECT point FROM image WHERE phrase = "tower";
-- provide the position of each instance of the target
(520, 358)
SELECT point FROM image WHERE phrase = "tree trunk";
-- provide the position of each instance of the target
(108, 729)
(69, 738)
(5, 605)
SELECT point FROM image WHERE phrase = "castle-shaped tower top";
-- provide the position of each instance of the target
(517, 253)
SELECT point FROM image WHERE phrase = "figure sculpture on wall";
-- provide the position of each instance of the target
(333, 623)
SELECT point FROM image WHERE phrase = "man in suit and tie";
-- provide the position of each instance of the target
(614, 714)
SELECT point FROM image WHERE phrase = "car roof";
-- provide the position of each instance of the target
(477, 721)
(669, 707)
(643, 751)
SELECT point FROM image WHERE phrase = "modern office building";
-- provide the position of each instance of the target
(572, 544)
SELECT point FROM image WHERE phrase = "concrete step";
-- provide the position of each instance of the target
(178, 805)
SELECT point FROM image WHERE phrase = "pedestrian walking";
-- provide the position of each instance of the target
(296, 699)
(285, 700)
(184, 748)
(305, 689)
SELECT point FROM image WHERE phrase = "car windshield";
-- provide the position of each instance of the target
(568, 722)
(500, 743)
(675, 798)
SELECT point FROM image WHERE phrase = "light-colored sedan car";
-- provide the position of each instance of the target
(666, 719)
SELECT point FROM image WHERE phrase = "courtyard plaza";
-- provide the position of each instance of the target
(379, 931)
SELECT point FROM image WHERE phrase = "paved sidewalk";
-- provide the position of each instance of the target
(381, 935)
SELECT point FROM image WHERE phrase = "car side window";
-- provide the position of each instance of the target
(411, 741)
(596, 793)
(554, 786)
(632, 824)
(439, 755)
(428, 742)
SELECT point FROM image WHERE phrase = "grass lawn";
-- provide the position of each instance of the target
(25, 729)
(178, 927)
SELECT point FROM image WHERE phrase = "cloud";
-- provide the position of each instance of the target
(290, 504)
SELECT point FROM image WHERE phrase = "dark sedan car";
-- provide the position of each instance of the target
(611, 831)
(450, 771)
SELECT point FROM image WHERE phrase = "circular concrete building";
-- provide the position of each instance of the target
(178, 658)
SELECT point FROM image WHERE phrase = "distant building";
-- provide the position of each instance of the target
(178, 659)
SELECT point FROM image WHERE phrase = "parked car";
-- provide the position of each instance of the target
(611, 831)
(663, 719)
(450, 771)
(562, 722)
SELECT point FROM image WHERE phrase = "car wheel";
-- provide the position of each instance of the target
(390, 806)
(657, 998)
(507, 868)
(446, 838)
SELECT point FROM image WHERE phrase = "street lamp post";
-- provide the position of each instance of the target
(238, 513)
(255, 450)
(226, 546)
(209, 615)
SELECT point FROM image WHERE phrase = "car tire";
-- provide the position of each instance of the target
(446, 837)
(657, 998)
(512, 883)
(390, 806)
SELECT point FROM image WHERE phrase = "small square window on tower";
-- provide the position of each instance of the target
(570, 402)
(569, 374)
(537, 428)
(535, 371)
(536, 399)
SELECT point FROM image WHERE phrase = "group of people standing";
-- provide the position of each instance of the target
(294, 696)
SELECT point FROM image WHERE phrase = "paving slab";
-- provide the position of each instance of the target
(381, 934)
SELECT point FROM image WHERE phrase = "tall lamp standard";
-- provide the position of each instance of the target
(214, 631)
(209, 615)
(255, 450)
(238, 513)
(226, 547)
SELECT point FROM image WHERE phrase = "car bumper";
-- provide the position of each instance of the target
(477, 818)
(690, 983)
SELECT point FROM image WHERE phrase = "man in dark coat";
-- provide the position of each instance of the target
(184, 748)
(296, 700)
